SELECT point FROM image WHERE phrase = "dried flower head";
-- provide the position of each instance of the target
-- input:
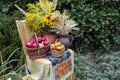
(65, 24)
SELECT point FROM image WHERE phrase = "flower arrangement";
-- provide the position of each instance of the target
(40, 16)
(43, 17)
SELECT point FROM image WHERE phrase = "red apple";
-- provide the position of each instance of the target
(46, 43)
(39, 39)
(32, 41)
(43, 39)
(29, 45)
(34, 45)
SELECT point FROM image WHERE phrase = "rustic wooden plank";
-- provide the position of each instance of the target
(24, 33)
(71, 77)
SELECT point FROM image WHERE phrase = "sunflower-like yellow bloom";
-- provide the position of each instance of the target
(49, 20)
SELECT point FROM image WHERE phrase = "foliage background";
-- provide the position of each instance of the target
(98, 21)
(99, 29)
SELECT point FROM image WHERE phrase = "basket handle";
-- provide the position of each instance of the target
(36, 37)
(56, 40)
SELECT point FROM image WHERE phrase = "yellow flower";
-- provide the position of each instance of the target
(32, 8)
(34, 21)
(53, 22)
(48, 20)
(41, 16)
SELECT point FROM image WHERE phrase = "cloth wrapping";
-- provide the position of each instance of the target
(43, 69)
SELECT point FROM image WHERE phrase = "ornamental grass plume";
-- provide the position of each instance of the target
(64, 24)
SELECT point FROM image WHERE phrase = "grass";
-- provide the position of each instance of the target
(7, 69)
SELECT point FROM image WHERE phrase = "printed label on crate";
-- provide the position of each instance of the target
(63, 68)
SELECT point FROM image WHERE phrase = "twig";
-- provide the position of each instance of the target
(20, 9)
(55, 4)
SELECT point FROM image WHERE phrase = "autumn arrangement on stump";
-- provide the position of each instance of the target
(49, 29)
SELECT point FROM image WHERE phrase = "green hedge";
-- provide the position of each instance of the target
(98, 21)
(7, 6)
(9, 39)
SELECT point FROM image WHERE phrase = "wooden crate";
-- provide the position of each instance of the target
(64, 68)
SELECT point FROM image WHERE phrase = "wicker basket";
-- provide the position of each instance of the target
(56, 53)
(35, 53)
